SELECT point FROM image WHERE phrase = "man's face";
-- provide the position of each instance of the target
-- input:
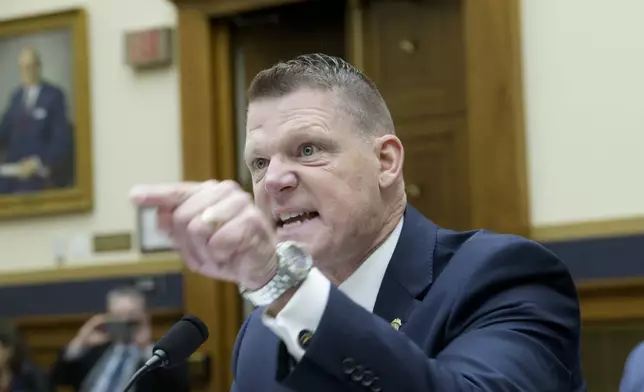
(126, 308)
(29, 67)
(314, 174)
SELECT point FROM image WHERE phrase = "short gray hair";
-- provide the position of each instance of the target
(126, 291)
(361, 99)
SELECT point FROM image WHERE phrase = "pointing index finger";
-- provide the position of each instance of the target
(163, 195)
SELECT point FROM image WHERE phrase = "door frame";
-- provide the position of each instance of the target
(496, 158)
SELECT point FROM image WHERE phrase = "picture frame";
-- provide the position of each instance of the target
(45, 123)
(151, 239)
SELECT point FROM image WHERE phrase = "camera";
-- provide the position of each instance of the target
(121, 331)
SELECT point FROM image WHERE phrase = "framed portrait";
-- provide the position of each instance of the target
(45, 135)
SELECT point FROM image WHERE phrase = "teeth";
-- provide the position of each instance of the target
(289, 215)
(294, 223)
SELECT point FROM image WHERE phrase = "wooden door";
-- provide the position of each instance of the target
(415, 51)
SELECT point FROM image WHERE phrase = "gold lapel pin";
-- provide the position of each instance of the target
(396, 324)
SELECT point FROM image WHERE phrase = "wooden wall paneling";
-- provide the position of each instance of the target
(612, 313)
(498, 177)
(605, 348)
(611, 300)
(208, 153)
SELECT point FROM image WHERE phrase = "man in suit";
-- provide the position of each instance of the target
(111, 347)
(35, 132)
(356, 290)
(633, 377)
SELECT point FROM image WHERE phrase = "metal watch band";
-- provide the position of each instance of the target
(288, 275)
(281, 282)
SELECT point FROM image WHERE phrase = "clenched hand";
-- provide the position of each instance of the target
(217, 229)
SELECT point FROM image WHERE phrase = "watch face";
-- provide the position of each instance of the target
(295, 255)
(294, 266)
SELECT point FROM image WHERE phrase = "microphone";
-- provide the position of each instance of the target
(183, 339)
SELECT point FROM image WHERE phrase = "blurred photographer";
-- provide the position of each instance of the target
(109, 349)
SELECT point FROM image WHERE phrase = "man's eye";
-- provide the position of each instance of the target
(308, 150)
(260, 163)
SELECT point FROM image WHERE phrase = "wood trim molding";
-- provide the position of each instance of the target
(355, 33)
(207, 126)
(218, 8)
(150, 265)
(197, 99)
(63, 320)
(611, 300)
(589, 229)
(499, 188)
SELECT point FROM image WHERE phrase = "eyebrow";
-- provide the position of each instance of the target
(252, 152)
(293, 133)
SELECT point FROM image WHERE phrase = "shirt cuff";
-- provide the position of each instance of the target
(302, 312)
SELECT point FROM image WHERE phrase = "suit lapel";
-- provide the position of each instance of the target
(410, 271)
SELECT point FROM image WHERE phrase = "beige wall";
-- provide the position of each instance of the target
(584, 89)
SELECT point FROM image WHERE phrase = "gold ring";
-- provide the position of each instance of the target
(208, 218)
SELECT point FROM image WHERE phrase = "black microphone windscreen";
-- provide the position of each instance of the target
(183, 339)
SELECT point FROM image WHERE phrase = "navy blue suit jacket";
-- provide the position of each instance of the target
(44, 132)
(480, 312)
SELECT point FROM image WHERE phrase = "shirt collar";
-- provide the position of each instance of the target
(35, 88)
(363, 285)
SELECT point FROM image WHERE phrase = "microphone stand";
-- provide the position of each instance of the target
(158, 359)
(136, 377)
(183, 339)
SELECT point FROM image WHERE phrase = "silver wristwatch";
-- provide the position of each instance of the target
(294, 264)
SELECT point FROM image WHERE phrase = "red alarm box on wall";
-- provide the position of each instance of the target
(149, 48)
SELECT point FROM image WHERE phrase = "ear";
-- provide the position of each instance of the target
(391, 155)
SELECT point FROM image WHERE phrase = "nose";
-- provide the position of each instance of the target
(279, 178)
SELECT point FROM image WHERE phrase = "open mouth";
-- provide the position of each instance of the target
(295, 218)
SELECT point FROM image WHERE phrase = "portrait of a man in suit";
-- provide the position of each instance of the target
(36, 136)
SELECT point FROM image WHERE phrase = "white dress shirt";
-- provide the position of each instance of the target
(30, 96)
(305, 309)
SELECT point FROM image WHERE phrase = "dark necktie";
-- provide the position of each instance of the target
(23, 118)
(117, 375)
